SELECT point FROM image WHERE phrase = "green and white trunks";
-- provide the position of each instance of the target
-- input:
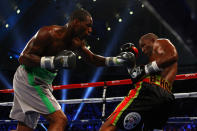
(33, 95)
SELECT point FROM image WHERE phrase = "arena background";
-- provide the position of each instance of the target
(115, 22)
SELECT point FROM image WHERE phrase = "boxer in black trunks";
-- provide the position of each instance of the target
(149, 104)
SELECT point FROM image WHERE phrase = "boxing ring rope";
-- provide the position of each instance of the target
(110, 99)
(171, 120)
(107, 83)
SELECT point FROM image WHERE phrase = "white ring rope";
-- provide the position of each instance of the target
(182, 120)
(171, 120)
(110, 99)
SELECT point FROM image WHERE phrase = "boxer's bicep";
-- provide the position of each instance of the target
(41, 41)
(34, 49)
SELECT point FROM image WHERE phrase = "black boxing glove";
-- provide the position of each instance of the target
(128, 59)
(65, 59)
(129, 47)
(123, 59)
(139, 72)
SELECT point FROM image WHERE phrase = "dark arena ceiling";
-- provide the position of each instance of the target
(175, 20)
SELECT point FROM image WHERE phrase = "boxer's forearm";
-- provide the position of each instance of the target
(92, 58)
(97, 60)
(30, 60)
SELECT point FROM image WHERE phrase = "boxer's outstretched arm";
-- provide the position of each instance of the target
(32, 53)
(123, 59)
(91, 57)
